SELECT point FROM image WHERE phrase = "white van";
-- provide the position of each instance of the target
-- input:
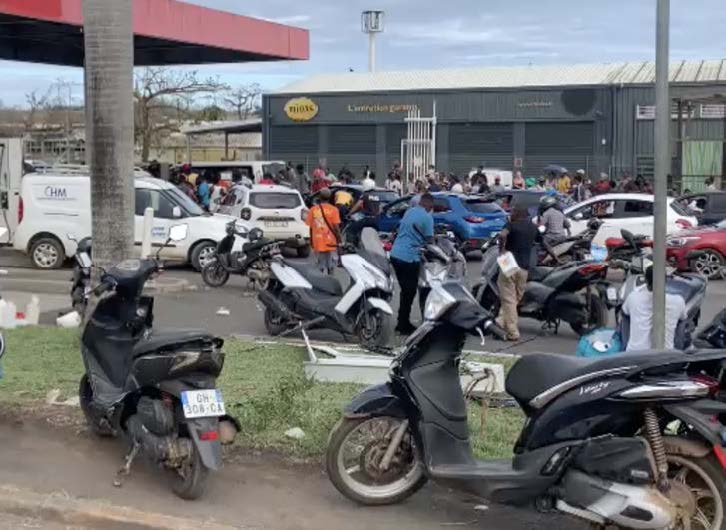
(53, 206)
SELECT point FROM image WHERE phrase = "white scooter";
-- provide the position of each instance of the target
(300, 298)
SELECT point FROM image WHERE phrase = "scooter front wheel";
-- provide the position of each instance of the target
(353, 461)
(374, 328)
(85, 397)
(215, 275)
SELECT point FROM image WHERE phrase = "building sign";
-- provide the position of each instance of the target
(301, 109)
(377, 107)
(534, 105)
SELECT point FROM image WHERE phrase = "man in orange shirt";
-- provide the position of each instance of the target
(324, 222)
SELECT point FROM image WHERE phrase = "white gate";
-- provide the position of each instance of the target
(418, 149)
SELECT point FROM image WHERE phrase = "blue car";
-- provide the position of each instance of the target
(472, 218)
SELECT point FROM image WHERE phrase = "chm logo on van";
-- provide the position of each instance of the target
(54, 192)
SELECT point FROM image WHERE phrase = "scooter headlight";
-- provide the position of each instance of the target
(438, 302)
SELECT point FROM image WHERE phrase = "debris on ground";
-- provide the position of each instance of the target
(296, 433)
(223, 312)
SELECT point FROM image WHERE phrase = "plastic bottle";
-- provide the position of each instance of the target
(9, 315)
(32, 311)
(3, 312)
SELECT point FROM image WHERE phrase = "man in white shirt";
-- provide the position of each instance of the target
(639, 306)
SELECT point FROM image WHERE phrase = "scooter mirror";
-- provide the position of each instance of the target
(178, 232)
(85, 260)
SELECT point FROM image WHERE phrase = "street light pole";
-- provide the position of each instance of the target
(662, 168)
(372, 23)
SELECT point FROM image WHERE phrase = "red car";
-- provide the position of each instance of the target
(710, 241)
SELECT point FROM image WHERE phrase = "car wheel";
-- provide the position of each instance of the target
(47, 253)
(203, 254)
(303, 251)
(710, 264)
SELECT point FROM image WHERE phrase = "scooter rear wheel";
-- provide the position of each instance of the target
(85, 396)
(358, 477)
(190, 481)
(215, 275)
(374, 328)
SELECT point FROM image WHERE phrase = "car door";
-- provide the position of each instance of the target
(716, 209)
(634, 215)
(444, 214)
(392, 214)
(602, 209)
(163, 220)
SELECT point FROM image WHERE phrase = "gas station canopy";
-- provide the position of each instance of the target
(166, 32)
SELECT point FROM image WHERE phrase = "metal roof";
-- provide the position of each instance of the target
(713, 71)
(228, 127)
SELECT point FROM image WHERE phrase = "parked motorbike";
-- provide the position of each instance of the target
(156, 389)
(443, 260)
(577, 293)
(251, 261)
(573, 248)
(690, 286)
(300, 298)
(81, 280)
(624, 441)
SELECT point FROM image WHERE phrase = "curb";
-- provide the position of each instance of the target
(176, 285)
(61, 508)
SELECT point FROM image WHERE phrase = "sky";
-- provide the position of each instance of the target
(426, 34)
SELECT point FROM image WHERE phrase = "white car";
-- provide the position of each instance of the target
(278, 211)
(629, 211)
(54, 206)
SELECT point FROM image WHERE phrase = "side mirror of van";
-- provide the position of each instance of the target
(176, 212)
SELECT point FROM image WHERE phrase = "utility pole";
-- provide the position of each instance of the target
(109, 53)
(371, 24)
(662, 168)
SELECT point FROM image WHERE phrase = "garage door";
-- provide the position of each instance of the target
(297, 144)
(353, 146)
(474, 144)
(566, 144)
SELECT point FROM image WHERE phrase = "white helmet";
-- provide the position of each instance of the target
(369, 184)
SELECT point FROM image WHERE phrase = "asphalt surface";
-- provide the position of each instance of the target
(198, 306)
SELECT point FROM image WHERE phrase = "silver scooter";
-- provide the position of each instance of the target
(299, 297)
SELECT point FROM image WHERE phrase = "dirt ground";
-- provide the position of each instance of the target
(51, 452)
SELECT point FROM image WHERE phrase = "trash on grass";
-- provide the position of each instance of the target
(69, 320)
(296, 433)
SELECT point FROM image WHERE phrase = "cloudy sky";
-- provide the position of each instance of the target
(457, 33)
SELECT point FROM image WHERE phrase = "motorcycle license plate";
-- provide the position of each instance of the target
(202, 403)
(276, 224)
(612, 294)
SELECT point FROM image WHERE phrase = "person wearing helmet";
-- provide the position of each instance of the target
(555, 223)
(369, 205)
(324, 222)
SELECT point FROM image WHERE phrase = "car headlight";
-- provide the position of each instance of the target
(438, 302)
(679, 242)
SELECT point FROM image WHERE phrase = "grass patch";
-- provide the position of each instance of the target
(264, 386)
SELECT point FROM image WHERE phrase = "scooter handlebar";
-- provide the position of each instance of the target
(103, 287)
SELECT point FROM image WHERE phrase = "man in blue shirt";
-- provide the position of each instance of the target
(416, 229)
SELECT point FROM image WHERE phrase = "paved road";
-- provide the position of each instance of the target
(198, 308)
(251, 492)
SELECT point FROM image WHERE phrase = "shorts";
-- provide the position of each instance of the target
(326, 261)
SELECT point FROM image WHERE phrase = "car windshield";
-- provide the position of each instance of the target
(682, 209)
(184, 201)
(274, 200)
(386, 196)
(482, 206)
(273, 169)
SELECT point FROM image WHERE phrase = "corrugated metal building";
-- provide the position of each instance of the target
(595, 117)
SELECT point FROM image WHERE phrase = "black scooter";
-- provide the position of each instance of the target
(81, 280)
(252, 262)
(625, 441)
(157, 389)
(577, 293)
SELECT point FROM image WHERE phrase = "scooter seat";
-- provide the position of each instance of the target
(170, 338)
(322, 282)
(535, 373)
(537, 274)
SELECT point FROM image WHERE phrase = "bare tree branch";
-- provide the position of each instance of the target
(243, 100)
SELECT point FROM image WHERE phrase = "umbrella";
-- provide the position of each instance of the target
(554, 168)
